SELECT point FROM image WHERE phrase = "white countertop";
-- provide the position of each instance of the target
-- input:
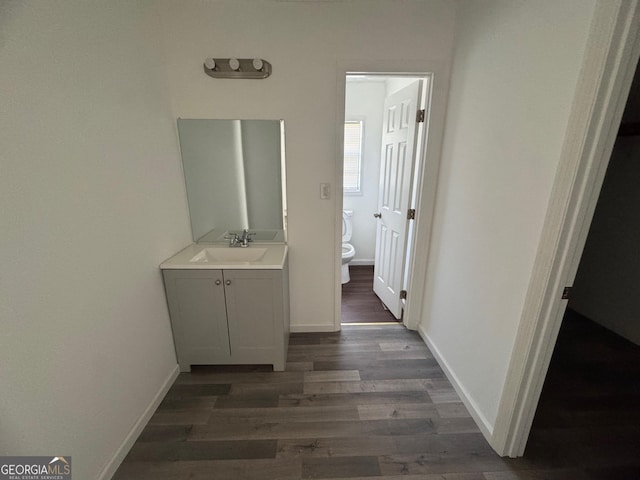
(273, 258)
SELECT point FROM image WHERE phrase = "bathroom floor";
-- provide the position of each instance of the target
(359, 303)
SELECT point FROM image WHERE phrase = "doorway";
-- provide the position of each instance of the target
(591, 383)
(385, 126)
(611, 58)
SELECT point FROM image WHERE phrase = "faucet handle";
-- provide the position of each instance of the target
(233, 239)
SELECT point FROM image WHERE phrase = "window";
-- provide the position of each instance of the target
(352, 157)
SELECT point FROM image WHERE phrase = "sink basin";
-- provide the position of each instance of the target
(272, 256)
(225, 254)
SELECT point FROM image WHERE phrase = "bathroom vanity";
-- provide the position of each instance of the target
(229, 305)
(229, 301)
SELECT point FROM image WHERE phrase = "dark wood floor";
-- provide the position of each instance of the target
(371, 401)
(359, 303)
(589, 410)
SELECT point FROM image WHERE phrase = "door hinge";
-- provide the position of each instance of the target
(411, 214)
(566, 293)
(420, 116)
(403, 294)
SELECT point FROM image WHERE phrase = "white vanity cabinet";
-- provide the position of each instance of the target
(229, 316)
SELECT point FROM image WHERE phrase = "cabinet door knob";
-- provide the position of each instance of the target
(228, 282)
(218, 282)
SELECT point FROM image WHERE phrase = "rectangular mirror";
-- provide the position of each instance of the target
(235, 178)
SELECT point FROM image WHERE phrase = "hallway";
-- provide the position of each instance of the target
(371, 402)
(367, 401)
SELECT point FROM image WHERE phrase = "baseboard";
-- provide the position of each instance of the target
(312, 328)
(483, 424)
(360, 263)
(110, 469)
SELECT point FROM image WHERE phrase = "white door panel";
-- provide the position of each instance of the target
(398, 153)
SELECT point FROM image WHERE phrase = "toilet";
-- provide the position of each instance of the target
(348, 252)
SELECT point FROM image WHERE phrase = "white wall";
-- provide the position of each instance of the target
(364, 100)
(606, 286)
(306, 42)
(514, 75)
(92, 201)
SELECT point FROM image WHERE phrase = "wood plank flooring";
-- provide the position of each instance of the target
(589, 410)
(369, 402)
(359, 303)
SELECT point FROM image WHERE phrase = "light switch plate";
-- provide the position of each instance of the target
(325, 191)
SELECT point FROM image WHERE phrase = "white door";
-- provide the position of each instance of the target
(398, 154)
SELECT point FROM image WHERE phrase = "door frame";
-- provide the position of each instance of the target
(429, 155)
(611, 55)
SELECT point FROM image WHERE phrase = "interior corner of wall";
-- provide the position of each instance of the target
(479, 417)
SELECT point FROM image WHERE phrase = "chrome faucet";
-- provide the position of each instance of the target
(234, 239)
(246, 238)
(243, 240)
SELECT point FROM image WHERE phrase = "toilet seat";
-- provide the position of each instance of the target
(348, 250)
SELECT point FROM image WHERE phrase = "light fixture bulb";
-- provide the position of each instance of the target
(234, 64)
(210, 63)
(258, 63)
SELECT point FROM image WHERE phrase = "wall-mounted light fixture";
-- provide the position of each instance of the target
(237, 68)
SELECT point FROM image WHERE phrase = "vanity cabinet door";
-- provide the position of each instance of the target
(196, 301)
(256, 316)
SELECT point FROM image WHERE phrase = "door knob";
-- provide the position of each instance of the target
(377, 215)
(228, 282)
(218, 282)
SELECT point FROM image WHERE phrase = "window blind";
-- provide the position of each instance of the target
(352, 156)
